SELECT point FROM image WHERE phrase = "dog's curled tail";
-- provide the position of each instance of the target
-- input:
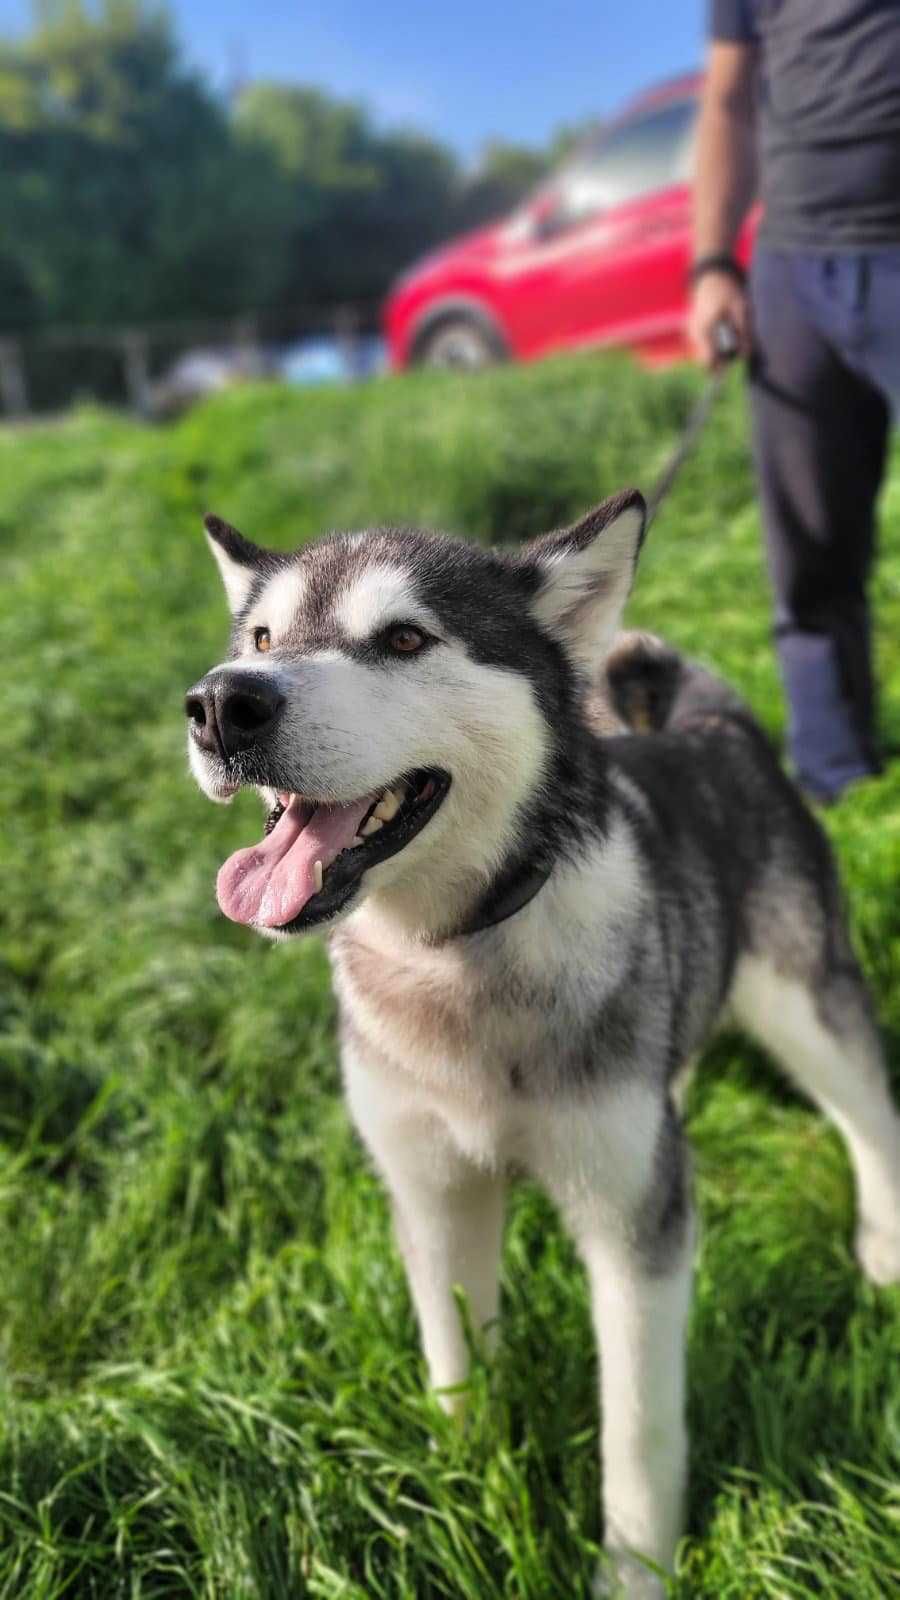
(650, 687)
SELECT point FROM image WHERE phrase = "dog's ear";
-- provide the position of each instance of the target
(239, 561)
(585, 573)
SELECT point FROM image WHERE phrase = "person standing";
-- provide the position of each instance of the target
(807, 94)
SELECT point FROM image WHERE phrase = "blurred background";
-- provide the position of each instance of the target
(209, 1365)
(196, 195)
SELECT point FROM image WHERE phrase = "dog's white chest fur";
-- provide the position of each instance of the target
(436, 1040)
(476, 1032)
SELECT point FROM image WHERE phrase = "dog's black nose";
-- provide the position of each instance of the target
(228, 711)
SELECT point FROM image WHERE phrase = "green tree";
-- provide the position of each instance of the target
(365, 203)
(124, 195)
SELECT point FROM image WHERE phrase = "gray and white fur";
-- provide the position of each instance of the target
(677, 880)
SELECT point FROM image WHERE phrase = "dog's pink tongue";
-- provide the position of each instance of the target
(270, 883)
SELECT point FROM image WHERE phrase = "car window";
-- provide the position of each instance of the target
(646, 153)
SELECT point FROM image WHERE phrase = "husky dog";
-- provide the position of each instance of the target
(534, 926)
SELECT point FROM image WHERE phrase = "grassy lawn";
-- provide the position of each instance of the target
(211, 1371)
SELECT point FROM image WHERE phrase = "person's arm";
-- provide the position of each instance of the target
(723, 189)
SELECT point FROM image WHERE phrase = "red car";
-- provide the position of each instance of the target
(597, 256)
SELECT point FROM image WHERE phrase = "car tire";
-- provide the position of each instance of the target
(459, 343)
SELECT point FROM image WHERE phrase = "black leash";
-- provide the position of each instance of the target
(727, 348)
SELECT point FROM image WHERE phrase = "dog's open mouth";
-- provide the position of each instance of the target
(307, 866)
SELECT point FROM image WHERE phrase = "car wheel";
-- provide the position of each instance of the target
(461, 343)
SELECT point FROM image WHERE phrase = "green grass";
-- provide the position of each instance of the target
(211, 1372)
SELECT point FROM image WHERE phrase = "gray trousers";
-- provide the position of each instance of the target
(824, 379)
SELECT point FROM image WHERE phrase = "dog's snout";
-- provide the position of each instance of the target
(227, 712)
(246, 708)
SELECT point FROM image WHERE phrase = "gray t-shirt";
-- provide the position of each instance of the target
(829, 117)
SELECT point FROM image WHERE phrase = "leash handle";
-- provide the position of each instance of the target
(725, 340)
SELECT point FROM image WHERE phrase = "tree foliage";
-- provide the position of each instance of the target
(124, 196)
(363, 202)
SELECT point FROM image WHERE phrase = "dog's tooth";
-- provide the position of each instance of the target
(372, 826)
(318, 874)
(387, 807)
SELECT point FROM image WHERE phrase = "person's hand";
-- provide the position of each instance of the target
(718, 297)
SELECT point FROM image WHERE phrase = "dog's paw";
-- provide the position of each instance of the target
(878, 1253)
(623, 1577)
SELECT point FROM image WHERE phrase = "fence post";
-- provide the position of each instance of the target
(13, 388)
(246, 339)
(137, 370)
(347, 335)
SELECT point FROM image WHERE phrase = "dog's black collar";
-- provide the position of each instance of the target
(513, 890)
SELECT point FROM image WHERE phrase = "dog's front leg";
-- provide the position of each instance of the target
(449, 1236)
(448, 1216)
(640, 1318)
(618, 1169)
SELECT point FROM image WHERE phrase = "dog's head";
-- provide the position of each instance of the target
(407, 706)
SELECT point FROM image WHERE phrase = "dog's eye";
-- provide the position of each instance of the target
(405, 640)
(262, 639)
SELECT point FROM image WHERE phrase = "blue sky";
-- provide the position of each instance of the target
(463, 71)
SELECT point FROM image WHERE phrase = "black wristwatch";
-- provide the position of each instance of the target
(717, 263)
